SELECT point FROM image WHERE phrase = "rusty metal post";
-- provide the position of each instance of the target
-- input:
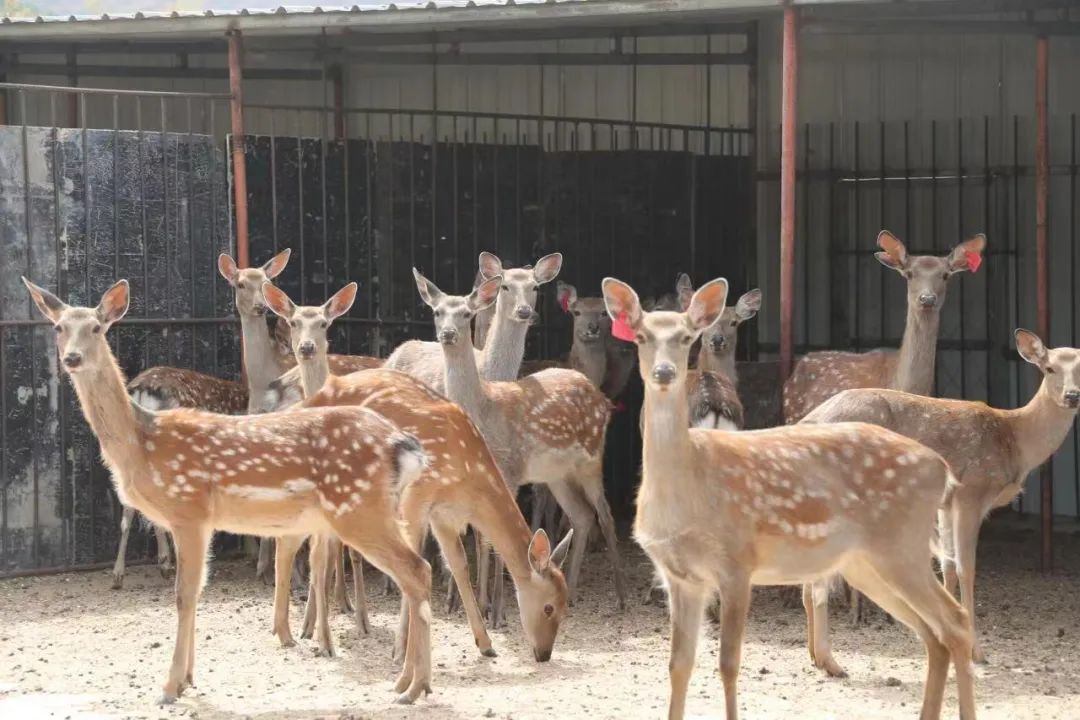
(1042, 275)
(337, 78)
(789, 117)
(236, 104)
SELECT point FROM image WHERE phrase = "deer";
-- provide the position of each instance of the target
(264, 362)
(461, 486)
(545, 428)
(160, 388)
(719, 512)
(820, 375)
(194, 473)
(991, 451)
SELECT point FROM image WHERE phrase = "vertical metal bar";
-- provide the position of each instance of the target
(1042, 275)
(752, 279)
(433, 173)
(273, 180)
(857, 300)
(787, 186)
(1072, 290)
(35, 539)
(91, 460)
(412, 191)
(67, 513)
(806, 236)
(73, 81)
(454, 200)
(343, 137)
(190, 233)
(165, 217)
(960, 234)
(236, 88)
(337, 77)
(517, 185)
(142, 224)
(934, 216)
(322, 192)
(213, 232)
(1018, 377)
(300, 208)
(369, 224)
(633, 95)
(987, 179)
(881, 216)
(691, 186)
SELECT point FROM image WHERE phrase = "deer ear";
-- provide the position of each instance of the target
(895, 254)
(49, 305)
(707, 304)
(282, 335)
(622, 302)
(540, 551)
(487, 293)
(547, 268)
(429, 293)
(684, 291)
(114, 303)
(227, 267)
(558, 555)
(1030, 347)
(748, 305)
(275, 265)
(490, 265)
(340, 302)
(968, 254)
(277, 300)
(566, 295)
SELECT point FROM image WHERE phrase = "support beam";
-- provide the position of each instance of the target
(236, 104)
(73, 81)
(1042, 275)
(337, 78)
(789, 117)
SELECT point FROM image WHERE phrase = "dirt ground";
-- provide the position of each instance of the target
(72, 648)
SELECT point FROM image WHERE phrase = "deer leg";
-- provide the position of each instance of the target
(415, 524)
(320, 575)
(540, 499)
(341, 598)
(816, 605)
(121, 554)
(947, 544)
(735, 604)
(263, 565)
(967, 540)
(498, 593)
(164, 555)
(607, 527)
(284, 555)
(360, 613)
(483, 572)
(582, 516)
(686, 605)
(450, 542)
(191, 546)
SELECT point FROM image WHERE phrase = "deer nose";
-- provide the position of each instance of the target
(542, 655)
(1072, 398)
(259, 308)
(72, 360)
(928, 300)
(523, 312)
(664, 373)
(593, 328)
(306, 348)
(719, 343)
(448, 337)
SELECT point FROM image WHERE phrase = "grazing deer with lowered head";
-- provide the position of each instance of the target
(818, 376)
(194, 472)
(990, 451)
(461, 485)
(545, 428)
(718, 512)
(164, 388)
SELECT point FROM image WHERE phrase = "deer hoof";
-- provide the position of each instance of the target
(118, 582)
(490, 652)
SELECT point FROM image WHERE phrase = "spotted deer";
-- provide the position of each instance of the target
(164, 388)
(718, 512)
(545, 428)
(818, 376)
(316, 470)
(991, 451)
(264, 360)
(461, 486)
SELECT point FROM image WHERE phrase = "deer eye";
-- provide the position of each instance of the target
(944, 276)
(58, 328)
(323, 325)
(639, 338)
(686, 340)
(535, 286)
(506, 288)
(240, 285)
(438, 313)
(293, 323)
(549, 610)
(1049, 370)
(96, 329)
(734, 323)
(908, 274)
(577, 313)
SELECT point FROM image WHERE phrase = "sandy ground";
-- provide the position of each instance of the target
(72, 648)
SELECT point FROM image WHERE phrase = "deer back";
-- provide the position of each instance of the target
(161, 388)
(819, 376)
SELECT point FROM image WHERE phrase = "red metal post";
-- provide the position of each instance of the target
(236, 103)
(1042, 274)
(789, 117)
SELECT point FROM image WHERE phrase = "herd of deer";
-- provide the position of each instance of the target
(867, 479)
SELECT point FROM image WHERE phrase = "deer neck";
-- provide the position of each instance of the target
(1040, 427)
(590, 359)
(107, 407)
(504, 347)
(313, 374)
(724, 365)
(261, 365)
(666, 428)
(498, 519)
(914, 371)
(463, 383)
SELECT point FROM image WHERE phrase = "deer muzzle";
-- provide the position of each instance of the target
(663, 373)
(72, 360)
(306, 349)
(448, 337)
(1072, 398)
(928, 300)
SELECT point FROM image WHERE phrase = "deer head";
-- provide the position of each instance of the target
(928, 275)
(308, 324)
(543, 597)
(80, 331)
(517, 301)
(1060, 368)
(248, 283)
(664, 337)
(721, 338)
(453, 313)
(591, 322)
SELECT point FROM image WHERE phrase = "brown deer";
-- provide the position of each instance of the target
(455, 490)
(164, 388)
(545, 428)
(818, 376)
(311, 471)
(718, 512)
(991, 452)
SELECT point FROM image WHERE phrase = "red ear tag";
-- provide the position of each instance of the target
(974, 260)
(621, 330)
(564, 303)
